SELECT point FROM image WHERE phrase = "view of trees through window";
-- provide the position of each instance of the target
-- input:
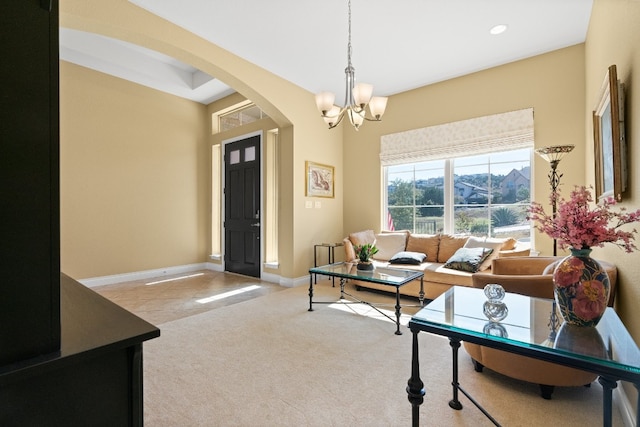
(484, 195)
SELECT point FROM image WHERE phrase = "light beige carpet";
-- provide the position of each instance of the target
(270, 362)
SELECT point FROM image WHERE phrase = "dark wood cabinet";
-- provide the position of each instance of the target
(29, 180)
(95, 379)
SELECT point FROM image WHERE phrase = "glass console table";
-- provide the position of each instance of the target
(606, 350)
(392, 277)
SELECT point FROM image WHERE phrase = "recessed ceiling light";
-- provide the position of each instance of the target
(498, 29)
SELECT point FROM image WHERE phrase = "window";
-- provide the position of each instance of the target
(240, 116)
(489, 195)
(472, 177)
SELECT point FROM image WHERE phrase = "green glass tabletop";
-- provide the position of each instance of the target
(385, 276)
(528, 324)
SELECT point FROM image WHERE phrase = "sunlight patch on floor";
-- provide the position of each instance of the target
(174, 279)
(227, 294)
(368, 311)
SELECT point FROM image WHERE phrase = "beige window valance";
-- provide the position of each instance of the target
(481, 135)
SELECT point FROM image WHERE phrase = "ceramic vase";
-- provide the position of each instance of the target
(581, 288)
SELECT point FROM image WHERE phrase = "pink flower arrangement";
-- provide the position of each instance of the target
(579, 226)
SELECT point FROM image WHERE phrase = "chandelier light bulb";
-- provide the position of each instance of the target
(362, 94)
(356, 118)
(324, 101)
(377, 106)
(331, 117)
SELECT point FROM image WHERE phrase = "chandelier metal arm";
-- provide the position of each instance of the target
(342, 113)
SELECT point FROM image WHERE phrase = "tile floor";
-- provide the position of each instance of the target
(173, 297)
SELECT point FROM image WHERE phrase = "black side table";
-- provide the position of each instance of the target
(331, 254)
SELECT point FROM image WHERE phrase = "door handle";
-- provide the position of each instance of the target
(257, 224)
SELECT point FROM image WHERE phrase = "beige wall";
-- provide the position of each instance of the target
(614, 38)
(552, 84)
(303, 135)
(133, 162)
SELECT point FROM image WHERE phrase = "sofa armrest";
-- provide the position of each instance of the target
(349, 252)
(521, 265)
(539, 286)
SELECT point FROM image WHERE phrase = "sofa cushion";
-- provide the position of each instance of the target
(494, 244)
(434, 274)
(468, 259)
(406, 257)
(362, 237)
(425, 243)
(449, 244)
(389, 244)
(438, 273)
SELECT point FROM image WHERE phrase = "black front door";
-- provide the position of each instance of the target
(242, 206)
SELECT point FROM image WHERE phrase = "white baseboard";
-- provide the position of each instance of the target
(292, 283)
(182, 269)
(147, 274)
(214, 267)
(271, 278)
(625, 407)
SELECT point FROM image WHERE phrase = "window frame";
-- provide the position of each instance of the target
(449, 206)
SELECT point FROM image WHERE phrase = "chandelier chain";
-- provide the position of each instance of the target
(349, 40)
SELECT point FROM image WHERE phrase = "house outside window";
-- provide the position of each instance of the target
(489, 195)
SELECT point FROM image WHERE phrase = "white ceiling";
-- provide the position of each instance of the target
(397, 45)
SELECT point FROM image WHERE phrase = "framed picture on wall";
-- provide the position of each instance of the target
(319, 180)
(609, 139)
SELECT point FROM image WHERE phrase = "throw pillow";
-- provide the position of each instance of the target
(509, 244)
(407, 257)
(449, 244)
(425, 243)
(362, 237)
(468, 259)
(389, 244)
(494, 244)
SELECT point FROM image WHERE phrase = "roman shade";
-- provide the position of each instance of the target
(481, 135)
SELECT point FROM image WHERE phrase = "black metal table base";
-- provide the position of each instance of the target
(415, 387)
(355, 300)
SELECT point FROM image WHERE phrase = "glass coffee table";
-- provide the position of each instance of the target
(608, 350)
(392, 277)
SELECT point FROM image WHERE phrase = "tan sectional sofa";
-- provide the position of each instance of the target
(438, 248)
(532, 278)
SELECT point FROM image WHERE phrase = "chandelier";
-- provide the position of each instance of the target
(357, 98)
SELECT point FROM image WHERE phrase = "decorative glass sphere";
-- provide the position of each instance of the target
(495, 329)
(495, 310)
(494, 292)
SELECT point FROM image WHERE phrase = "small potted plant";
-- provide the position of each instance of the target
(364, 254)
